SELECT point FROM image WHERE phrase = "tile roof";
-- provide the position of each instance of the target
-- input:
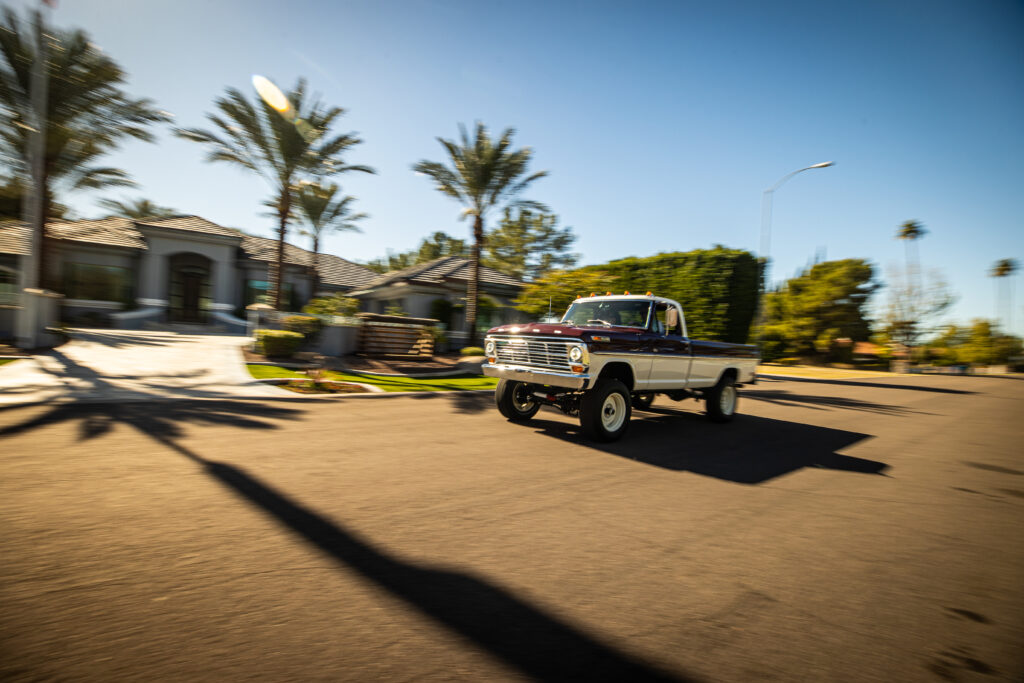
(192, 223)
(112, 232)
(333, 270)
(13, 238)
(444, 269)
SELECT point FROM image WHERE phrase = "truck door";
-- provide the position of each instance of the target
(670, 349)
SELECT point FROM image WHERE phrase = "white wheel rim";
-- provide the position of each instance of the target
(727, 403)
(613, 412)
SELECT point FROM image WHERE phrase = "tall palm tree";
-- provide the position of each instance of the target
(484, 174)
(136, 208)
(1002, 270)
(255, 136)
(87, 113)
(324, 212)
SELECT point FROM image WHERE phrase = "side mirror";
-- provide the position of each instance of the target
(672, 320)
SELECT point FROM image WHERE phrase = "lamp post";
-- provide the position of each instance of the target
(766, 237)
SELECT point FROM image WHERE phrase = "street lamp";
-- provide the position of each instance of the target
(766, 207)
(766, 237)
(277, 101)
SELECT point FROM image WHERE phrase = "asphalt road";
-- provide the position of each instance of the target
(835, 531)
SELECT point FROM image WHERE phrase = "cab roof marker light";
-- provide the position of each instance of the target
(607, 293)
(627, 293)
(650, 293)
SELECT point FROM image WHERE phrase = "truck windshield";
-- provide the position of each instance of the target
(625, 313)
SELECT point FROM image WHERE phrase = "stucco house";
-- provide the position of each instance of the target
(186, 269)
(180, 269)
(437, 289)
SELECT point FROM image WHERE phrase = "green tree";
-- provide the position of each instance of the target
(826, 302)
(435, 246)
(912, 308)
(87, 113)
(484, 175)
(255, 136)
(980, 344)
(556, 290)
(324, 211)
(136, 208)
(528, 245)
(12, 198)
(1002, 271)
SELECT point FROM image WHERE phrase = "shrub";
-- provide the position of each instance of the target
(335, 304)
(303, 324)
(472, 351)
(278, 343)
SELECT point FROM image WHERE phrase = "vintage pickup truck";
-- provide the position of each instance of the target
(608, 355)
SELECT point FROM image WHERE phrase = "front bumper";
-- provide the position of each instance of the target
(522, 373)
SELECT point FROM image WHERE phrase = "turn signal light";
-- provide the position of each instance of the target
(576, 368)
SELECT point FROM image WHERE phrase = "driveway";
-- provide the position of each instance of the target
(131, 365)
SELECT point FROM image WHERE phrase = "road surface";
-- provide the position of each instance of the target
(856, 531)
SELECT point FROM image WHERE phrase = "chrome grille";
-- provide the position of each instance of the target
(533, 352)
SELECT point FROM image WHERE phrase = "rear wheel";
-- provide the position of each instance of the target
(721, 399)
(605, 410)
(514, 401)
(643, 400)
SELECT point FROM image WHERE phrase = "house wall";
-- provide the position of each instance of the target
(90, 311)
(154, 274)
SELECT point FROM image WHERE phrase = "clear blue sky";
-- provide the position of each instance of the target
(661, 122)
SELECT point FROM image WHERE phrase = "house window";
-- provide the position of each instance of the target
(97, 283)
(8, 286)
(258, 292)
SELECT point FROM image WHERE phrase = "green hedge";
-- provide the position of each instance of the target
(278, 343)
(717, 288)
(303, 324)
(472, 351)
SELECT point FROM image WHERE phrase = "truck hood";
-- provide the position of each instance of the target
(585, 332)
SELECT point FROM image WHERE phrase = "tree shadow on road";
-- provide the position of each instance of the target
(872, 385)
(786, 398)
(749, 450)
(524, 637)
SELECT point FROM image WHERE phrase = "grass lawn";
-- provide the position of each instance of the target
(457, 383)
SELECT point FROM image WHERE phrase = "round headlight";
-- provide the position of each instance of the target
(575, 354)
(489, 347)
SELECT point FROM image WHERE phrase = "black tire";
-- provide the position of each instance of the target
(512, 399)
(643, 400)
(721, 400)
(605, 410)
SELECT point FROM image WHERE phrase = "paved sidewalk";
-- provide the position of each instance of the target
(132, 365)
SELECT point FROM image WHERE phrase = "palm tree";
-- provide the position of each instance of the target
(136, 208)
(87, 113)
(485, 174)
(1002, 270)
(255, 136)
(324, 213)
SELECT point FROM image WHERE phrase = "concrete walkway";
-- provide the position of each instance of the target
(131, 365)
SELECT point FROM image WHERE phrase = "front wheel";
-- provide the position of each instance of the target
(605, 410)
(721, 400)
(514, 401)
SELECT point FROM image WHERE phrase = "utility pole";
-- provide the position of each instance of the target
(30, 273)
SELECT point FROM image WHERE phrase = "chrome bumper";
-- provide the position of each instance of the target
(520, 373)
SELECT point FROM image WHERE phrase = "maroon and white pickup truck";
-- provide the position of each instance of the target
(608, 355)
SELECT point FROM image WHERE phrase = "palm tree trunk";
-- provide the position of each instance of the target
(316, 266)
(473, 288)
(277, 271)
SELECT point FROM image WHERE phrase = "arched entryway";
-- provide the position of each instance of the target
(189, 287)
